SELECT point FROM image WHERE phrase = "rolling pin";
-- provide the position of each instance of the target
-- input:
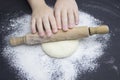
(73, 34)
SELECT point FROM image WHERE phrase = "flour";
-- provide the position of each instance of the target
(32, 63)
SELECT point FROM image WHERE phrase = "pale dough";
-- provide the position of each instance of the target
(60, 49)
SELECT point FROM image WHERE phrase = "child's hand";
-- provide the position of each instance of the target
(43, 20)
(66, 14)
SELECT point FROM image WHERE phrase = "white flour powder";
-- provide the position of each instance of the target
(34, 64)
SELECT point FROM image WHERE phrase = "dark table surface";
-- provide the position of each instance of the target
(105, 10)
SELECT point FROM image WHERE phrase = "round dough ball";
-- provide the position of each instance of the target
(60, 49)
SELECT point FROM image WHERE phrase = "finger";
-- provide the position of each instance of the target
(33, 25)
(47, 26)
(76, 14)
(40, 28)
(53, 24)
(58, 19)
(64, 20)
(71, 18)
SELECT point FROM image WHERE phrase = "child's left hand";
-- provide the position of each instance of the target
(66, 14)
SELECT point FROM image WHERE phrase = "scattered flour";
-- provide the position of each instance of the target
(34, 64)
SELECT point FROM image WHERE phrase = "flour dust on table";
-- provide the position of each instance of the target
(32, 63)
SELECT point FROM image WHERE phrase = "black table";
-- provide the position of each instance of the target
(105, 10)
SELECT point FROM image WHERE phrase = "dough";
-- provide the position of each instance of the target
(60, 49)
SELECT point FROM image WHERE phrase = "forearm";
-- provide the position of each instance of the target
(34, 4)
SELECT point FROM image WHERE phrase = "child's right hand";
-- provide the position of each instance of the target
(43, 20)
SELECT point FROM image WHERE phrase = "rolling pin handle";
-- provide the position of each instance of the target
(17, 41)
(99, 30)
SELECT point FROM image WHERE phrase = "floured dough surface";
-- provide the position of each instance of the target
(60, 49)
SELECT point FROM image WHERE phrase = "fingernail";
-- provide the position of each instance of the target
(59, 27)
(77, 22)
(49, 34)
(55, 30)
(71, 25)
(33, 31)
(65, 28)
(41, 34)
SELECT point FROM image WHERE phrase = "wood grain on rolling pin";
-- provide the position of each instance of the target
(75, 33)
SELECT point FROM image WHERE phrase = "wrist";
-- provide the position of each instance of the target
(36, 4)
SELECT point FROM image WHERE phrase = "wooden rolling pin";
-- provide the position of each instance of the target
(75, 33)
